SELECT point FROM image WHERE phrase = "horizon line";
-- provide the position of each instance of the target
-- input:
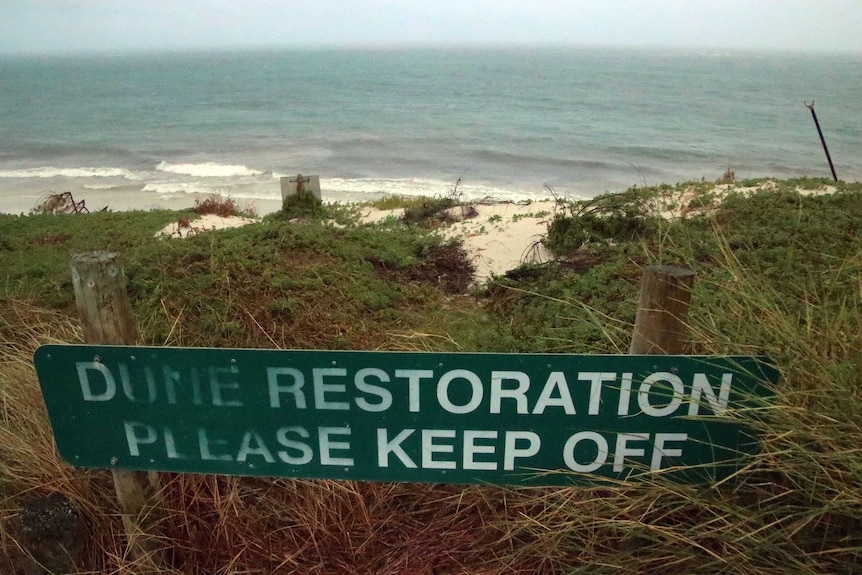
(716, 50)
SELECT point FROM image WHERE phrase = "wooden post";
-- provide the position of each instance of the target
(103, 306)
(660, 324)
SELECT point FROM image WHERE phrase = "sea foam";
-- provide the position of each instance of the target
(52, 172)
(208, 170)
(183, 188)
(426, 187)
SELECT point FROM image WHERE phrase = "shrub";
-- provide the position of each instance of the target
(611, 217)
(220, 206)
(303, 205)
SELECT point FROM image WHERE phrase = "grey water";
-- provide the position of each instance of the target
(506, 123)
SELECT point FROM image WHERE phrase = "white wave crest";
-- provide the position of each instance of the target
(179, 188)
(99, 187)
(52, 172)
(425, 187)
(208, 170)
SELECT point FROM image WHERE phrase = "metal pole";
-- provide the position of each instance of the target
(822, 139)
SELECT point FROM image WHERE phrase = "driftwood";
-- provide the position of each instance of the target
(61, 204)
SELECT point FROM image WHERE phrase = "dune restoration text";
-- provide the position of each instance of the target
(392, 416)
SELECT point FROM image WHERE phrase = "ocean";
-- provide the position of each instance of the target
(509, 124)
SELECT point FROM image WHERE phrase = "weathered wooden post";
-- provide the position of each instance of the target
(106, 317)
(660, 324)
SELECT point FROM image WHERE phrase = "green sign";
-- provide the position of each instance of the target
(428, 417)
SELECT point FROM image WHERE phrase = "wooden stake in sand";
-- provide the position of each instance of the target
(660, 324)
(106, 317)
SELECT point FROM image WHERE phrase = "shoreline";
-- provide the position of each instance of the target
(498, 237)
(97, 200)
(108, 200)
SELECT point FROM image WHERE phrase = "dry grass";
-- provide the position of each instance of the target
(220, 206)
(794, 509)
(234, 525)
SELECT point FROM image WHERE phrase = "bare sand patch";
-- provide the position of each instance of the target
(499, 237)
(503, 236)
(183, 228)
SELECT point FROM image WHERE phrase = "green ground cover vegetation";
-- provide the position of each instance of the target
(778, 273)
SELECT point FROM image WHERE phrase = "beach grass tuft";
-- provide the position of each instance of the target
(222, 206)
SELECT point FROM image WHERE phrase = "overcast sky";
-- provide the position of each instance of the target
(120, 25)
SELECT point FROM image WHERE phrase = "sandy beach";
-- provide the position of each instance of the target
(499, 236)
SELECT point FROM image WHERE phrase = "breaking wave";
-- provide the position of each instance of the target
(52, 172)
(208, 170)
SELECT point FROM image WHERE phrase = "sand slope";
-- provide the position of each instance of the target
(499, 238)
